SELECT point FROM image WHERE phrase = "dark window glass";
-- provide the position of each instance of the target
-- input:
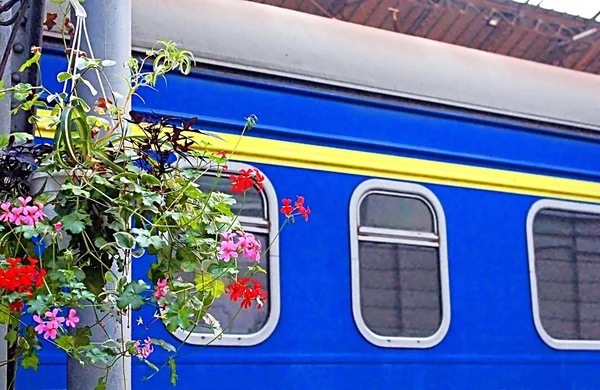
(396, 212)
(400, 290)
(567, 267)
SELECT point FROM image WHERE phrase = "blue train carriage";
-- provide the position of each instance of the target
(454, 241)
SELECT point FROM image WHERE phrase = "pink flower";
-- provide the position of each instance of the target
(72, 319)
(24, 214)
(146, 349)
(161, 285)
(50, 332)
(41, 327)
(7, 216)
(251, 247)
(228, 250)
(58, 226)
(24, 201)
(54, 319)
(39, 215)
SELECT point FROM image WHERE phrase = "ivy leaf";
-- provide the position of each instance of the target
(39, 305)
(76, 190)
(130, 295)
(149, 198)
(30, 360)
(95, 355)
(75, 222)
(125, 240)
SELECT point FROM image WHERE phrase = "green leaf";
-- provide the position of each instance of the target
(149, 198)
(100, 242)
(166, 346)
(75, 222)
(4, 313)
(76, 190)
(65, 342)
(33, 60)
(11, 337)
(150, 180)
(18, 137)
(82, 336)
(101, 384)
(152, 366)
(130, 295)
(125, 240)
(63, 76)
(205, 282)
(30, 360)
(172, 367)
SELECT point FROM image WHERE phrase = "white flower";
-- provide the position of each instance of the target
(213, 324)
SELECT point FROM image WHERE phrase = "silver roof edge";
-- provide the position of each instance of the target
(251, 36)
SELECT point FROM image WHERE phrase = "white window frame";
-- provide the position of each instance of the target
(406, 190)
(559, 205)
(252, 225)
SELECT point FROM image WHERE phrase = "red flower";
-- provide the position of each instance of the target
(16, 306)
(304, 212)
(21, 278)
(246, 180)
(241, 290)
(221, 153)
(287, 209)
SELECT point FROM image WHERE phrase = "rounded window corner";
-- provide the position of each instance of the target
(360, 233)
(558, 220)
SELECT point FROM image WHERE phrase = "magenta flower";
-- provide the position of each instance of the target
(23, 214)
(72, 319)
(41, 327)
(54, 319)
(8, 215)
(228, 250)
(58, 226)
(251, 247)
(24, 201)
(146, 349)
(161, 286)
(50, 332)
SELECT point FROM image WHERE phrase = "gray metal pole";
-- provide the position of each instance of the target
(109, 28)
(4, 129)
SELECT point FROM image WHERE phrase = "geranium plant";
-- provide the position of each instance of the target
(112, 186)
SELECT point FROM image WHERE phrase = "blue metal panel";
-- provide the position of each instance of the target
(492, 342)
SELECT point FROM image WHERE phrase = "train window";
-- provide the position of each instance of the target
(259, 217)
(564, 261)
(400, 295)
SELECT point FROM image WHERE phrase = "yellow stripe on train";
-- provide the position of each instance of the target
(292, 154)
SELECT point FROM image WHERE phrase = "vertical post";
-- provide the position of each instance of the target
(4, 129)
(109, 28)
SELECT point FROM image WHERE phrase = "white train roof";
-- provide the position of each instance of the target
(249, 36)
